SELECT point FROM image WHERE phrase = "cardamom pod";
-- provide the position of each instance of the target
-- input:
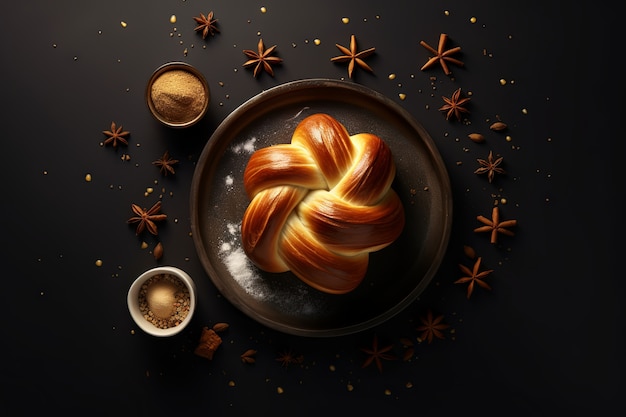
(158, 251)
(497, 126)
(476, 137)
(220, 327)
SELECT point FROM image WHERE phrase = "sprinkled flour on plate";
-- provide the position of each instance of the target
(245, 147)
(229, 181)
(295, 300)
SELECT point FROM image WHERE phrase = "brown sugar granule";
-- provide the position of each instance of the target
(178, 96)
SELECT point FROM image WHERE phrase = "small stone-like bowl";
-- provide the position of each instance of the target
(181, 66)
(133, 300)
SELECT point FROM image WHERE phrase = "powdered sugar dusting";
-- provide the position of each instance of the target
(229, 181)
(245, 147)
(238, 264)
(296, 300)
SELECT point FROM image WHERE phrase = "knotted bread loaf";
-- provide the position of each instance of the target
(321, 204)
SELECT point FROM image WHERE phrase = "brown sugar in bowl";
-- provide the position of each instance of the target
(177, 94)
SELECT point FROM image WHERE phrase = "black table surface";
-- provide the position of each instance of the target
(549, 335)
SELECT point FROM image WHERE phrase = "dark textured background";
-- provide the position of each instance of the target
(548, 338)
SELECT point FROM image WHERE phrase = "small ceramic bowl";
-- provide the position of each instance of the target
(177, 94)
(154, 289)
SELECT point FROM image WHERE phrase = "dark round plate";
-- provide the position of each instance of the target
(396, 274)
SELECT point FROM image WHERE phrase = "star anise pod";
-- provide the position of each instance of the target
(206, 24)
(474, 276)
(353, 57)
(115, 135)
(288, 357)
(441, 55)
(490, 167)
(454, 105)
(432, 327)
(495, 226)
(261, 59)
(377, 355)
(208, 344)
(166, 164)
(147, 218)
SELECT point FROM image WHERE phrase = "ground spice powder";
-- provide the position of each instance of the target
(178, 96)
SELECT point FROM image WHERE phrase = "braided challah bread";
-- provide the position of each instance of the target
(321, 204)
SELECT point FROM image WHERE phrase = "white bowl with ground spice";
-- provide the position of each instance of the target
(162, 300)
(177, 94)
